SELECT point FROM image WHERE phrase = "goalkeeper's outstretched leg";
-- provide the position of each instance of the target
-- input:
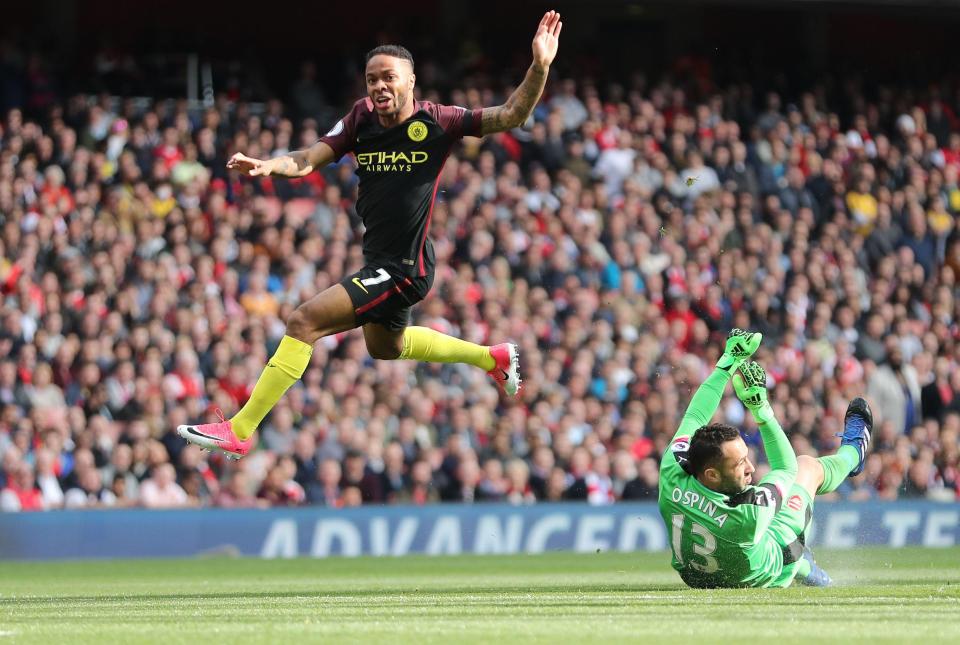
(825, 474)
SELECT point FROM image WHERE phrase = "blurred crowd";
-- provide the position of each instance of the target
(616, 237)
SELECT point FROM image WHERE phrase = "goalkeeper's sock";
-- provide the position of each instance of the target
(837, 467)
(803, 569)
(422, 344)
(284, 369)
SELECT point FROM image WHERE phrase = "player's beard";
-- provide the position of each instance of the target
(731, 486)
(401, 100)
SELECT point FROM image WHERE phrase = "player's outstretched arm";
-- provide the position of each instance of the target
(519, 106)
(740, 346)
(751, 388)
(295, 164)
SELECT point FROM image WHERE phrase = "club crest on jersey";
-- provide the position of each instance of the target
(417, 131)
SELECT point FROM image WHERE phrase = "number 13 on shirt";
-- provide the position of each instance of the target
(702, 557)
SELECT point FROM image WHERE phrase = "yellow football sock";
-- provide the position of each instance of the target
(422, 344)
(283, 370)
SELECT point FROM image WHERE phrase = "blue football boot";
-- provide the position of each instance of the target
(817, 576)
(857, 424)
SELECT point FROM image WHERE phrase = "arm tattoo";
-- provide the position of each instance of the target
(285, 166)
(291, 165)
(519, 106)
(495, 119)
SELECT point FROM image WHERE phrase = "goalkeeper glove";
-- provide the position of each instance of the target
(740, 346)
(751, 388)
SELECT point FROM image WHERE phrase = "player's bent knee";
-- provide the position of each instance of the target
(809, 473)
(806, 463)
(384, 351)
(298, 325)
(297, 321)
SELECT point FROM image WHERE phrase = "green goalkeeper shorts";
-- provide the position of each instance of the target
(788, 528)
(793, 518)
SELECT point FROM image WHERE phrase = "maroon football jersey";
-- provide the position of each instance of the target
(399, 169)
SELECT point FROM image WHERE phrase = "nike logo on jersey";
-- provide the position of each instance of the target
(357, 282)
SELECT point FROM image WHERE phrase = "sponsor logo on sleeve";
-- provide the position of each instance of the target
(336, 129)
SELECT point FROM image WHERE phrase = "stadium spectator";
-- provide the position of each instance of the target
(393, 477)
(89, 492)
(21, 492)
(420, 489)
(236, 494)
(895, 387)
(357, 474)
(121, 462)
(464, 482)
(161, 489)
(279, 488)
(352, 497)
(519, 490)
(325, 491)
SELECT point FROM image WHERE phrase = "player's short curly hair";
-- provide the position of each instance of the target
(397, 51)
(706, 446)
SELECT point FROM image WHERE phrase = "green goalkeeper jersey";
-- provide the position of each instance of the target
(720, 540)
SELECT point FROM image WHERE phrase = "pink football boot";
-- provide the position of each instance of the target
(507, 371)
(217, 436)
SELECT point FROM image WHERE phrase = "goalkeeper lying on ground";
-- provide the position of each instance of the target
(724, 531)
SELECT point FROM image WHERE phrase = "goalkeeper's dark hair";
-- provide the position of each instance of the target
(706, 446)
(397, 51)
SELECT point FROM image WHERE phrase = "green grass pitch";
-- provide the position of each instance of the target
(883, 595)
